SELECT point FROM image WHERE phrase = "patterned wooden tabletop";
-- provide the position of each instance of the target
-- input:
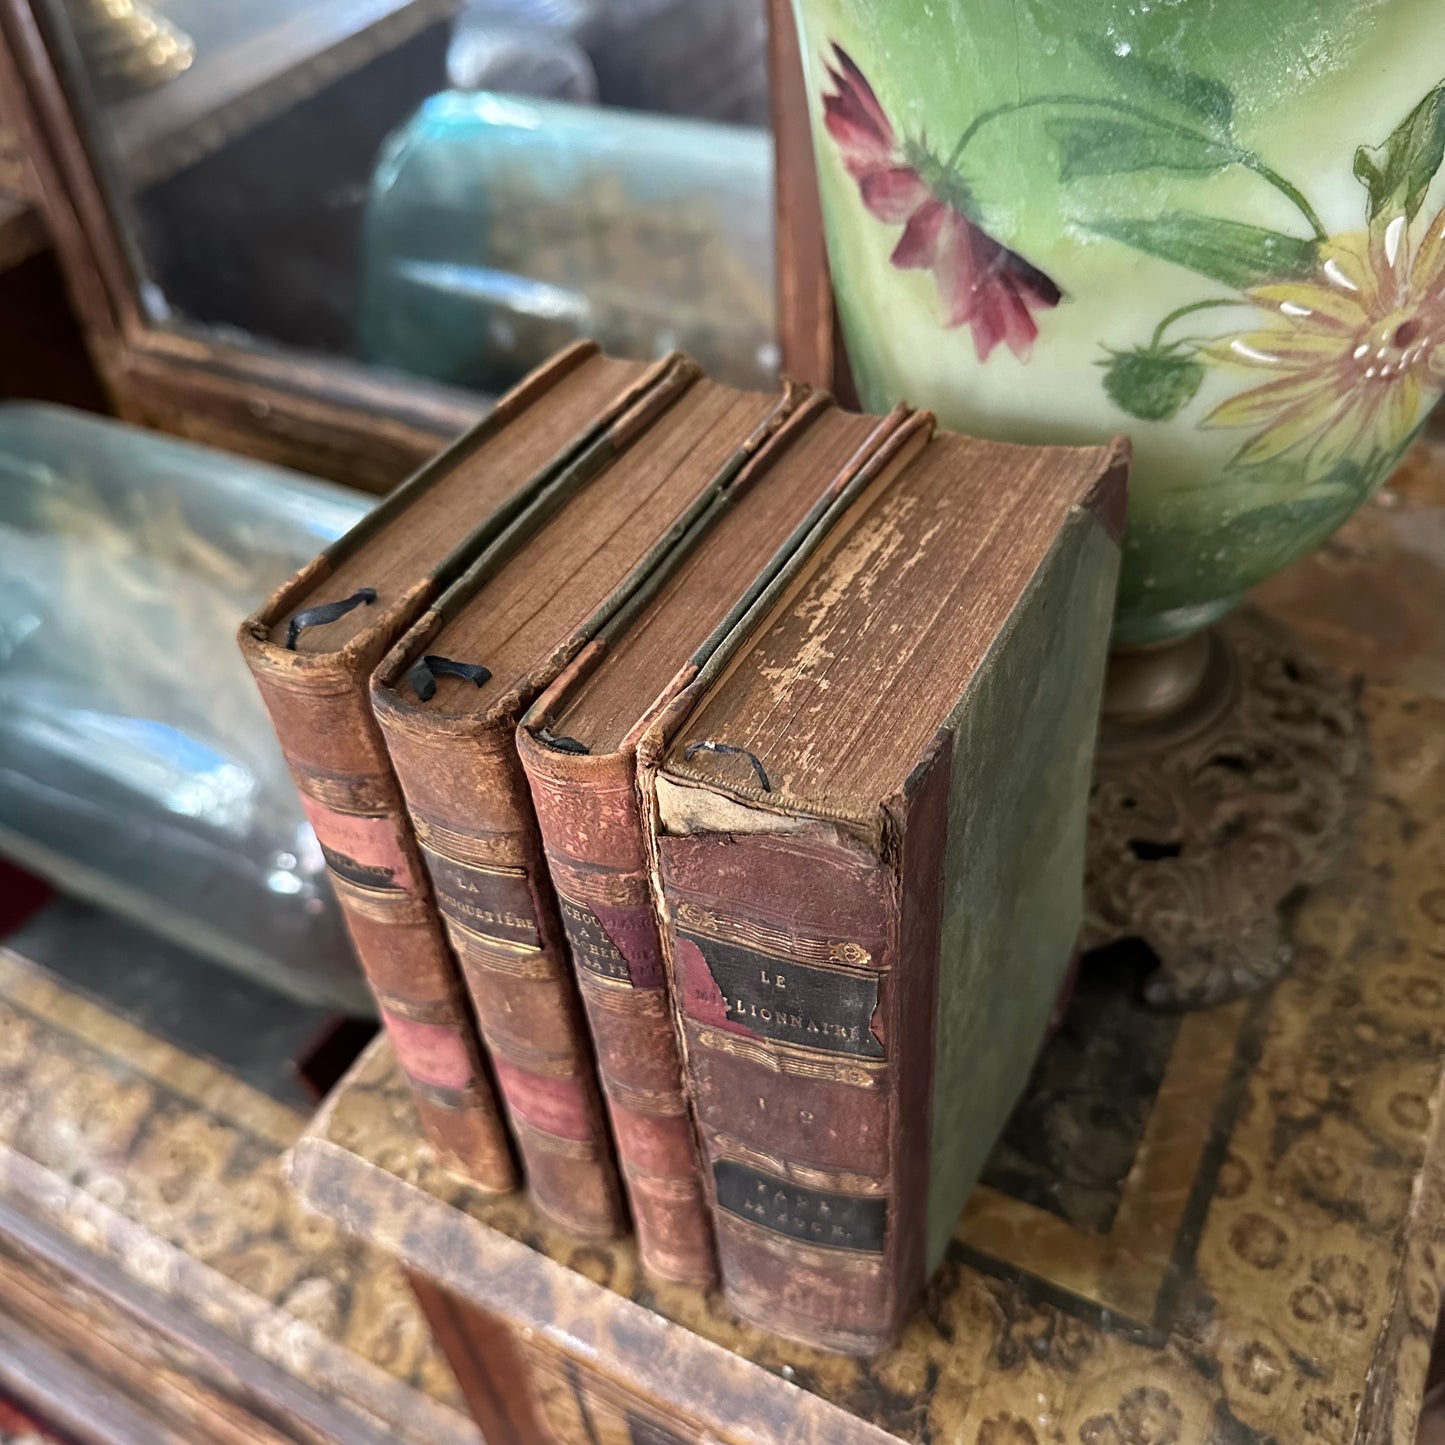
(1225, 1228)
(145, 1231)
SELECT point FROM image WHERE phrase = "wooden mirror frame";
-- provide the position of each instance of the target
(809, 337)
(330, 418)
(333, 419)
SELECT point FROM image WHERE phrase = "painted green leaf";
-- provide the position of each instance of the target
(1152, 385)
(1090, 146)
(1140, 78)
(1229, 251)
(1398, 173)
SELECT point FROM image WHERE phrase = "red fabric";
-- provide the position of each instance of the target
(15, 1421)
(20, 896)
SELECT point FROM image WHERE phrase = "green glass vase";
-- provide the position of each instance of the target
(1215, 225)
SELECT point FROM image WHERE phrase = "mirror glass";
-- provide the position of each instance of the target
(449, 189)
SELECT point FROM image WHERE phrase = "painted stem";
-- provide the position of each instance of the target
(1244, 158)
(1193, 306)
(1289, 191)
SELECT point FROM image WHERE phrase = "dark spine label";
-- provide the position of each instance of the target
(363, 875)
(495, 902)
(592, 947)
(364, 849)
(795, 1003)
(834, 1221)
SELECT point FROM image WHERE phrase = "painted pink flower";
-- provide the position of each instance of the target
(981, 282)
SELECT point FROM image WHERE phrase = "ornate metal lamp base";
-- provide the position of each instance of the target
(1210, 814)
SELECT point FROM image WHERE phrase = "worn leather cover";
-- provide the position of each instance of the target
(472, 809)
(338, 761)
(591, 826)
(469, 796)
(785, 953)
(595, 832)
(472, 812)
(319, 707)
(804, 958)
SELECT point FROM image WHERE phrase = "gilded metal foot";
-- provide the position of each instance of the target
(1208, 821)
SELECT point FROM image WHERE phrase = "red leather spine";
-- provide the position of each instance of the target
(472, 811)
(319, 707)
(809, 1054)
(595, 839)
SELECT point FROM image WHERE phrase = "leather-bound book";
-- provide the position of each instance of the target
(870, 841)
(449, 698)
(580, 743)
(312, 649)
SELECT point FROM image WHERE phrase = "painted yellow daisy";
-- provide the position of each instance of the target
(1356, 352)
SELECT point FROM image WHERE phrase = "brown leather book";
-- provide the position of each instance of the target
(449, 697)
(579, 745)
(312, 649)
(869, 837)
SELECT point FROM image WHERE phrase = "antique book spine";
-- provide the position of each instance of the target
(592, 809)
(321, 710)
(595, 839)
(472, 811)
(778, 941)
(809, 1054)
(319, 707)
(338, 760)
(861, 1000)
